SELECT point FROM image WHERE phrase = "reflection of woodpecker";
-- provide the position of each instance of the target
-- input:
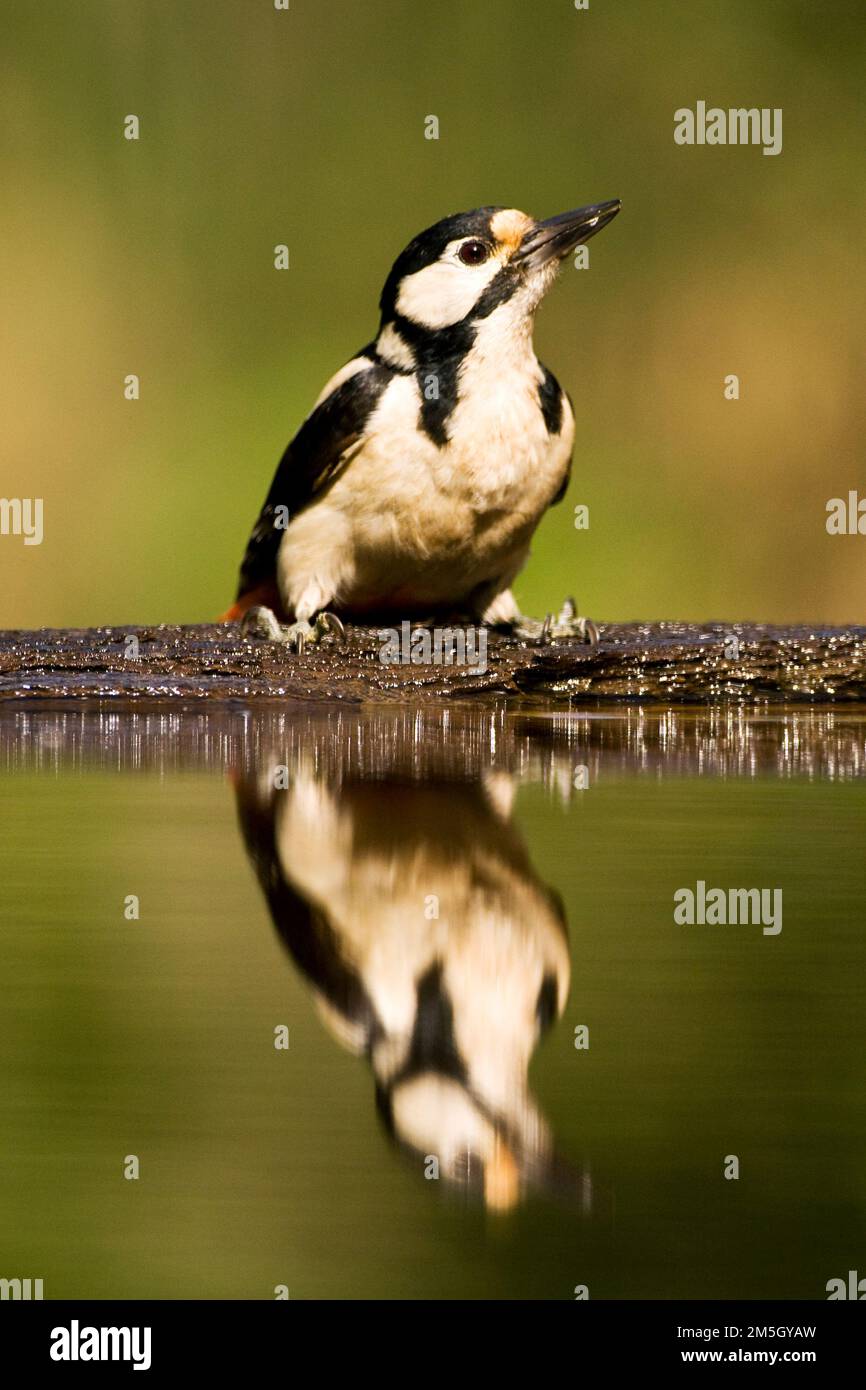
(433, 949)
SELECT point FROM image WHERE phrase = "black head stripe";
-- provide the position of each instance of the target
(432, 1047)
(439, 354)
(428, 246)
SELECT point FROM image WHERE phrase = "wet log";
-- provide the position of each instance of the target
(643, 663)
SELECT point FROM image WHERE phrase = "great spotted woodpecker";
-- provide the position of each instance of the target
(416, 483)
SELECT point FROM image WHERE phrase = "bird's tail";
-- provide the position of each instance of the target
(265, 594)
(233, 614)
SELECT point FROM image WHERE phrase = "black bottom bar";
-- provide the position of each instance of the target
(220, 1338)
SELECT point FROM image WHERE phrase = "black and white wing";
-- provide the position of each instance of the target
(318, 454)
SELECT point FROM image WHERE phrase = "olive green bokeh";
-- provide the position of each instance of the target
(306, 127)
(262, 1167)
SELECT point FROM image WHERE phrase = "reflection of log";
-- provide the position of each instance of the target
(637, 662)
(434, 742)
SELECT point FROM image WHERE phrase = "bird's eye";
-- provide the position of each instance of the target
(474, 252)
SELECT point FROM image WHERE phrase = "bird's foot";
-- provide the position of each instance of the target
(565, 624)
(262, 623)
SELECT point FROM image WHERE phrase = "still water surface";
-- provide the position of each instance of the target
(436, 905)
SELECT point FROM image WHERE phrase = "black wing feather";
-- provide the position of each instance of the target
(303, 926)
(315, 458)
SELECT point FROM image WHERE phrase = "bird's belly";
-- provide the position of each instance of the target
(435, 527)
(410, 525)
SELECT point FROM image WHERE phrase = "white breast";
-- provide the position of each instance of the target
(410, 519)
(500, 455)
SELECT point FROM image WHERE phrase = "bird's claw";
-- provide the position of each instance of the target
(565, 624)
(332, 624)
(262, 623)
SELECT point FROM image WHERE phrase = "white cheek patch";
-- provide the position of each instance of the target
(435, 1113)
(445, 292)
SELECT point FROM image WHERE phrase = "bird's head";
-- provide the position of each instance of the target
(464, 268)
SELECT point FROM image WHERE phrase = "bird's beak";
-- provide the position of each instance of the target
(501, 1179)
(553, 238)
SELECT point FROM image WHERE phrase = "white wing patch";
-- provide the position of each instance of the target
(357, 364)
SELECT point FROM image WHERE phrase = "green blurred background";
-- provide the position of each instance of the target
(156, 1038)
(306, 127)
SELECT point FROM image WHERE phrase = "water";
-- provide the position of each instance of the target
(431, 903)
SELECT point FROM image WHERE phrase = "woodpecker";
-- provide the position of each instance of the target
(447, 1005)
(415, 485)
